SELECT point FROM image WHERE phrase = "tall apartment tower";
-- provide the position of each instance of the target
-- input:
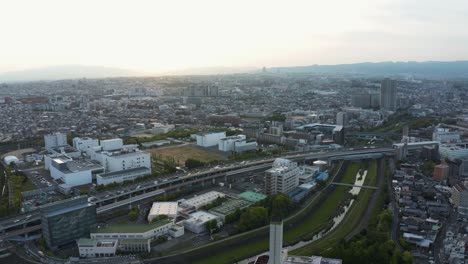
(388, 95)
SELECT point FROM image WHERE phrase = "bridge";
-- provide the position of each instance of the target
(127, 195)
(353, 185)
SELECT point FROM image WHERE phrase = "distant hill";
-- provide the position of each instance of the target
(64, 72)
(438, 69)
(212, 71)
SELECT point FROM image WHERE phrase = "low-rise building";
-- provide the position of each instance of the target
(161, 129)
(83, 144)
(454, 151)
(203, 199)
(74, 172)
(229, 207)
(444, 135)
(158, 209)
(209, 139)
(93, 248)
(135, 245)
(197, 221)
(177, 230)
(133, 231)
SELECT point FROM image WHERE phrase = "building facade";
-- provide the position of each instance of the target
(388, 92)
(55, 140)
(209, 139)
(283, 177)
(83, 144)
(65, 221)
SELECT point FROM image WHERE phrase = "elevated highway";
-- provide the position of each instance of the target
(127, 195)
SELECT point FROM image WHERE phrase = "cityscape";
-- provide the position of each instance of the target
(138, 147)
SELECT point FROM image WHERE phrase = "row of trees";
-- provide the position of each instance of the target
(373, 245)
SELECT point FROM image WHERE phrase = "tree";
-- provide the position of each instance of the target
(133, 214)
(211, 225)
(252, 218)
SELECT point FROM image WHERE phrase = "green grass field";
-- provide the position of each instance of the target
(351, 219)
(303, 231)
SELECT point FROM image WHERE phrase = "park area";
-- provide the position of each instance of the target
(181, 153)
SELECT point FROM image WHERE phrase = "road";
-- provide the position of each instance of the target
(191, 177)
(264, 228)
(395, 210)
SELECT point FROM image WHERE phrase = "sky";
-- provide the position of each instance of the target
(157, 35)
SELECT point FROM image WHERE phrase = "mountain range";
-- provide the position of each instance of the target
(428, 69)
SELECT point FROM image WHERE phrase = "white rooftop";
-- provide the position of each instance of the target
(164, 208)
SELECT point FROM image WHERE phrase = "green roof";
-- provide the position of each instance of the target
(133, 241)
(230, 206)
(87, 242)
(253, 196)
(132, 228)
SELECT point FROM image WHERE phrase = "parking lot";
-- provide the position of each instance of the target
(40, 177)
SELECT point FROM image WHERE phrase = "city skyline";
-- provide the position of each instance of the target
(158, 37)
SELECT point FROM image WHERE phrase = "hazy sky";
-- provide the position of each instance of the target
(161, 35)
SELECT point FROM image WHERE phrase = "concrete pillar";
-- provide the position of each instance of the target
(214, 181)
(276, 243)
(203, 183)
(225, 178)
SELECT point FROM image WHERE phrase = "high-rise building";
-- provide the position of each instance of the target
(362, 100)
(55, 140)
(283, 177)
(388, 92)
(65, 221)
(341, 119)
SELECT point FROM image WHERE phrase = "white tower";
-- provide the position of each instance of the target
(276, 243)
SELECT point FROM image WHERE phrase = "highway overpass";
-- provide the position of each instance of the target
(126, 195)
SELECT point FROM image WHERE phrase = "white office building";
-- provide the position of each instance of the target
(454, 151)
(196, 222)
(73, 173)
(84, 144)
(93, 248)
(55, 140)
(112, 144)
(444, 135)
(283, 177)
(236, 144)
(163, 208)
(161, 129)
(121, 160)
(209, 139)
(202, 200)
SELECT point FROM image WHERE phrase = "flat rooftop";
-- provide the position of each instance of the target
(164, 208)
(230, 206)
(252, 196)
(132, 228)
